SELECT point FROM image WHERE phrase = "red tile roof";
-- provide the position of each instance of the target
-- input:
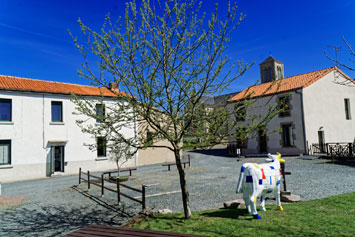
(32, 85)
(286, 84)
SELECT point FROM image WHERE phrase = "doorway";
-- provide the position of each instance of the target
(57, 159)
(262, 141)
(321, 141)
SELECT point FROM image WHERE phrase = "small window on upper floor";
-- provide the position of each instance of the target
(5, 152)
(5, 110)
(347, 109)
(57, 111)
(240, 112)
(100, 113)
(285, 106)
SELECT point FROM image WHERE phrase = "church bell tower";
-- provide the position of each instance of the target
(271, 69)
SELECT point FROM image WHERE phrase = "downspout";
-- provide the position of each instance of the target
(303, 123)
(43, 135)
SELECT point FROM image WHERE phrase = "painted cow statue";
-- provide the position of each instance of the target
(258, 179)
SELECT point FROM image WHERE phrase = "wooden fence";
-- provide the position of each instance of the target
(100, 182)
(334, 149)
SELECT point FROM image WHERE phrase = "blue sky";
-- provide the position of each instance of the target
(34, 41)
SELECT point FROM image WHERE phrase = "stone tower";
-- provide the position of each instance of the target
(271, 69)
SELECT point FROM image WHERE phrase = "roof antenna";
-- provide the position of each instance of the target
(336, 49)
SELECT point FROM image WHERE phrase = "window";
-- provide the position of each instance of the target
(279, 73)
(5, 110)
(287, 135)
(241, 111)
(265, 74)
(285, 106)
(57, 111)
(347, 109)
(149, 139)
(5, 152)
(100, 113)
(101, 147)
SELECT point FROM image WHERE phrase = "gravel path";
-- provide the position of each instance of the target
(54, 207)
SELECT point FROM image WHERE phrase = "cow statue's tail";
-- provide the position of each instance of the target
(240, 181)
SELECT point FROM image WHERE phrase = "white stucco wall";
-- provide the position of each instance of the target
(325, 111)
(31, 132)
(274, 143)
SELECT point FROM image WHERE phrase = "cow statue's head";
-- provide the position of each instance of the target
(272, 158)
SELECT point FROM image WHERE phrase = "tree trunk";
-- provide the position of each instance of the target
(183, 185)
(118, 170)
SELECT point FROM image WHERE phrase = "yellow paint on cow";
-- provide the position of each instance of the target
(256, 166)
(275, 179)
(255, 199)
(280, 208)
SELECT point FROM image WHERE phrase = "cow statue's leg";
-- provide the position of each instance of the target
(246, 199)
(277, 196)
(253, 199)
(262, 202)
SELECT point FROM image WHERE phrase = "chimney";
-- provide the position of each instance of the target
(113, 85)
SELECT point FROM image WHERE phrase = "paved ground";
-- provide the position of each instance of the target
(53, 207)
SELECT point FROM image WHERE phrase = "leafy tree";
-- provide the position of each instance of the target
(164, 58)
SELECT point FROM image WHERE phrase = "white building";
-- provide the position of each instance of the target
(38, 133)
(320, 109)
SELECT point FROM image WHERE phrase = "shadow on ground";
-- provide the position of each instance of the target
(222, 152)
(229, 214)
(55, 220)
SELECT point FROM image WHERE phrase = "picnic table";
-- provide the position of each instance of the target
(183, 163)
(130, 169)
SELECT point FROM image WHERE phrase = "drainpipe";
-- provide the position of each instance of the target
(303, 123)
(43, 135)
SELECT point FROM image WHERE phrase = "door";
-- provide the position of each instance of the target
(262, 141)
(57, 158)
(321, 141)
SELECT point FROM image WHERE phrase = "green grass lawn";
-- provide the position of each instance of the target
(333, 216)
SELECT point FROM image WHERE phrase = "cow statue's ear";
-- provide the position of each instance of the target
(269, 160)
(279, 158)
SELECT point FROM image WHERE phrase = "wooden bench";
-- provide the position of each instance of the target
(121, 170)
(183, 163)
(100, 230)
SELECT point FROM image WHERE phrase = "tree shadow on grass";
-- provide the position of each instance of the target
(229, 213)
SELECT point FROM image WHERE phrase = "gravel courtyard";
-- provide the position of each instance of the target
(53, 207)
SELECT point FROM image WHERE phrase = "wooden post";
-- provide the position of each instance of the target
(102, 185)
(143, 197)
(350, 149)
(188, 156)
(79, 175)
(331, 154)
(88, 180)
(118, 189)
(283, 175)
